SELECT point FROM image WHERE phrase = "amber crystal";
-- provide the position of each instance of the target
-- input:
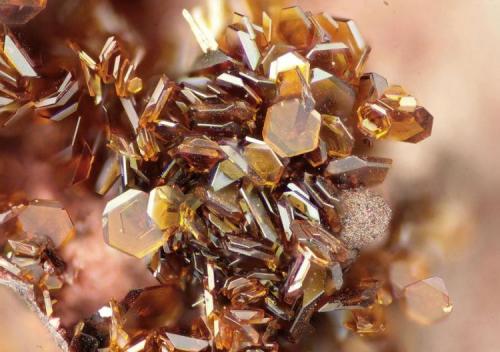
(407, 271)
(371, 87)
(411, 127)
(338, 139)
(332, 95)
(127, 226)
(43, 218)
(20, 11)
(264, 166)
(427, 301)
(177, 342)
(153, 307)
(396, 116)
(241, 186)
(356, 171)
(368, 321)
(281, 59)
(295, 28)
(333, 56)
(291, 128)
(200, 153)
(163, 206)
(374, 120)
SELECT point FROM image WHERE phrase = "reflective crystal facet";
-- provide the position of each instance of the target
(185, 343)
(427, 301)
(396, 116)
(411, 127)
(201, 154)
(163, 206)
(127, 226)
(347, 32)
(295, 28)
(355, 171)
(291, 129)
(332, 95)
(242, 187)
(265, 168)
(338, 139)
(374, 120)
(46, 219)
(371, 87)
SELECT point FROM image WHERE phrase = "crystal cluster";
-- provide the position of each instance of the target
(242, 185)
(31, 235)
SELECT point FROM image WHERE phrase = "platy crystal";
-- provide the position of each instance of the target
(427, 301)
(128, 227)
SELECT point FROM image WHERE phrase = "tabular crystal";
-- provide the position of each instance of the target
(396, 116)
(358, 171)
(348, 33)
(374, 120)
(371, 87)
(163, 206)
(337, 137)
(335, 57)
(127, 226)
(332, 95)
(411, 127)
(256, 236)
(407, 271)
(265, 167)
(291, 128)
(46, 219)
(427, 301)
(200, 153)
(185, 343)
(295, 28)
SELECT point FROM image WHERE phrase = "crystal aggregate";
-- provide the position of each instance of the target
(238, 185)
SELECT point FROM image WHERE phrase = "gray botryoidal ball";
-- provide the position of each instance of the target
(365, 218)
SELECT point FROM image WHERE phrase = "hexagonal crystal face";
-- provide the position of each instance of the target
(291, 128)
(337, 137)
(265, 167)
(46, 219)
(127, 226)
(163, 206)
(332, 95)
(427, 301)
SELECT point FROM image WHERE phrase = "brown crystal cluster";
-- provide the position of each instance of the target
(242, 185)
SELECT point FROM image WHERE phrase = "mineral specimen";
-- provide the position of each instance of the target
(241, 185)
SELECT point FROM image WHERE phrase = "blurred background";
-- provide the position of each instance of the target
(446, 54)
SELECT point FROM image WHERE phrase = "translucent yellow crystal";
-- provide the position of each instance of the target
(291, 128)
(427, 301)
(163, 206)
(374, 120)
(332, 95)
(265, 166)
(47, 219)
(127, 226)
(337, 137)
(295, 28)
